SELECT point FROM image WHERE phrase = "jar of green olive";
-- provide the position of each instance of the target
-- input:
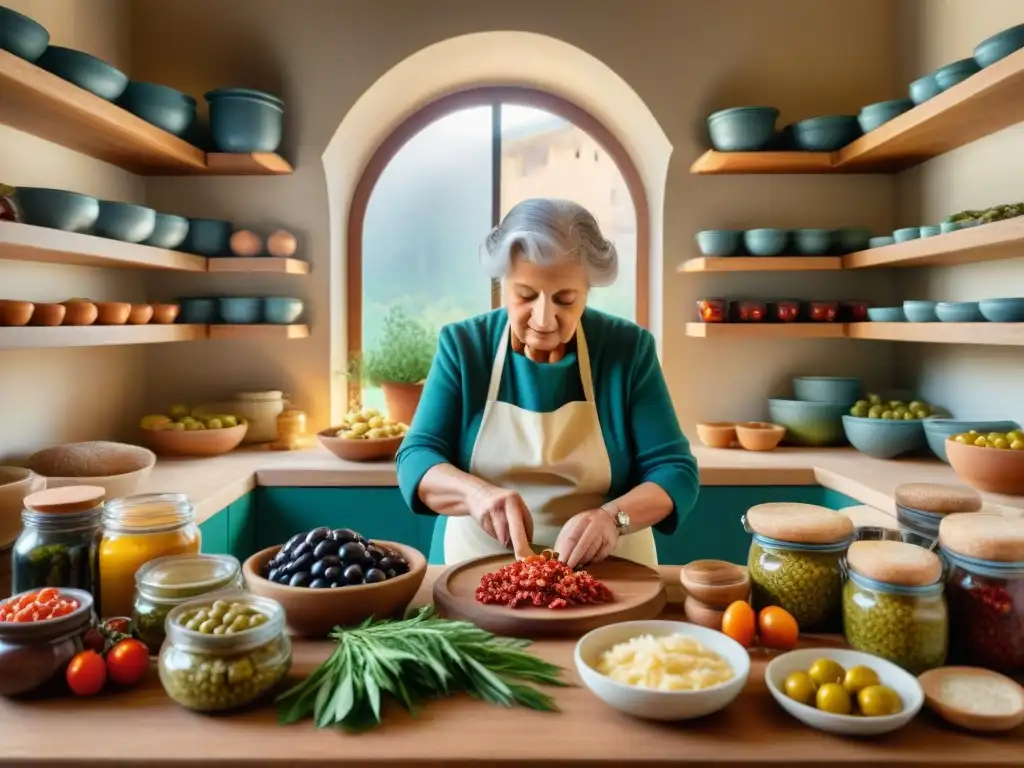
(167, 582)
(893, 604)
(796, 561)
(225, 653)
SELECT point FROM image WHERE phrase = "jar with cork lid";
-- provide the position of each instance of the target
(920, 507)
(893, 604)
(796, 561)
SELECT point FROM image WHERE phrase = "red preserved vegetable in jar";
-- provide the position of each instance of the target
(712, 310)
(784, 311)
(748, 311)
(823, 311)
(853, 311)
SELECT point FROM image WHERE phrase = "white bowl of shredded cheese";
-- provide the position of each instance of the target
(662, 670)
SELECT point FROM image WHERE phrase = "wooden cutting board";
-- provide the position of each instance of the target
(639, 594)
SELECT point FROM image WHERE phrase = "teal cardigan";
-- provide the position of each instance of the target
(641, 431)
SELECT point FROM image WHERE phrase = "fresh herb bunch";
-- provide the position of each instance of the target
(413, 660)
(404, 354)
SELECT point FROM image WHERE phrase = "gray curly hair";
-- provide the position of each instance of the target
(546, 231)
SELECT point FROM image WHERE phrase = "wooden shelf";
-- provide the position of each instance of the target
(988, 242)
(97, 335)
(259, 264)
(997, 334)
(37, 102)
(979, 106)
(762, 264)
(765, 330)
(259, 331)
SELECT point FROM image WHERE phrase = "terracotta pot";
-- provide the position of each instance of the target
(48, 314)
(140, 314)
(164, 314)
(113, 312)
(15, 313)
(401, 400)
(80, 313)
(717, 434)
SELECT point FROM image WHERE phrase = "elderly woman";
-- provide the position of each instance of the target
(546, 422)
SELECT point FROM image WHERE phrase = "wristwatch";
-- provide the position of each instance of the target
(621, 518)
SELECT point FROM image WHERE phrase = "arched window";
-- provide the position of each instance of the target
(448, 174)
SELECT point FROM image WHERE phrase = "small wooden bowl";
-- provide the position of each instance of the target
(200, 442)
(48, 314)
(717, 434)
(140, 314)
(113, 312)
(759, 435)
(381, 449)
(165, 314)
(80, 313)
(15, 313)
(994, 470)
(703, 615)
(715, 583)
(315, 612)
(939, 701)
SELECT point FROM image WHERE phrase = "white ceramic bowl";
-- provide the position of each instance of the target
(660, 705)
(901, 681)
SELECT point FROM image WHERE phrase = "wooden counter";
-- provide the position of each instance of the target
(143, 727)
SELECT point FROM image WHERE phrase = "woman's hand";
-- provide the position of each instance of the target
(588, 537)
(502, 514)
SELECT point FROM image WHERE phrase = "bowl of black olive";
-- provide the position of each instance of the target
(327, 578)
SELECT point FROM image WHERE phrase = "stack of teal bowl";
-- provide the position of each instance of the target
(766, 241)
(1003, 310)
(815, 417)
(240, 310)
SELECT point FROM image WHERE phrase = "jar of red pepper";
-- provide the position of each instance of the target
(985, 588)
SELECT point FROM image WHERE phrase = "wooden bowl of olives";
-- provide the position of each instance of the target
(327, 578)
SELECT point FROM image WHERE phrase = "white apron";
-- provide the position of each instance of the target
(556, 461)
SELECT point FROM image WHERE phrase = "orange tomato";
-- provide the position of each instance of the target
(739, 622)
(779, 629)
(87, 673)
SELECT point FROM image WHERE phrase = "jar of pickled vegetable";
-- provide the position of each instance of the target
(893, 604)
(796, 561)
(165, 583)
(59, 541)
(985, 589)
(137, 529)
(291, 428)
(920, 507)
(226, 653)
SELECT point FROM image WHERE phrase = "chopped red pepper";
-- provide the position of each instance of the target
(986, 620)
(541, 582)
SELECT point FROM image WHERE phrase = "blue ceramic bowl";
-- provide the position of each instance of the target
(159, 105)
(84, 70)
(124, 221)
(930, 230)
(806, 423)
(765, 242)
(826, 134)
(199, 311)
(812, 242)
(886, 315)
(169, 231)
(999, 46)
(209, 237)
(949, 226)
(240, 311)
(937, 430)
(281, 311)
(24, 37)
(924, 88)
(881, 242)
(853, 239)
(243, 120)
(958, 312)
(1002, 310)
(920, 311)
(874, 115)
(742, 129)
(719, 242)
(57, 208)
(906, 233)
(827, 389)
(884, 438)
(955, 73)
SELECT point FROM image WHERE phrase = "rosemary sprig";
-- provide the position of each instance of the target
(413, 660)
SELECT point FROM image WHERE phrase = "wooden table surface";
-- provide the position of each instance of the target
(143, 727)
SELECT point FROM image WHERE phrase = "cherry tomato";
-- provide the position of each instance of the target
(128, 661)
(739, 623)
(778, 628)
(87, 673)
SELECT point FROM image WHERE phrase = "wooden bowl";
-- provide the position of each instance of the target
(988, 469)
(80, 313)
(199, 442)
(759, 435)
(118, 468)
(717, 434)
(113, 312)
(15, 313)
(359, 450)
(140, 314)
(315, 612)
(715, 583)
(703, 615)
(937, 683)
(48, 314)
(165, 314)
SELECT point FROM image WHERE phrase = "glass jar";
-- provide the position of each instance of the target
(167, 582)
(713, 310)
(36, 653)
(893, 606)
(748, 311)
(137, 529)
(59, 541)
(920, 507)
(209, 672)
(796, 561)
(291, 428)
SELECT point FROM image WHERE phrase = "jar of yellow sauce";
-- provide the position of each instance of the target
(137, 529)
(291, 428)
